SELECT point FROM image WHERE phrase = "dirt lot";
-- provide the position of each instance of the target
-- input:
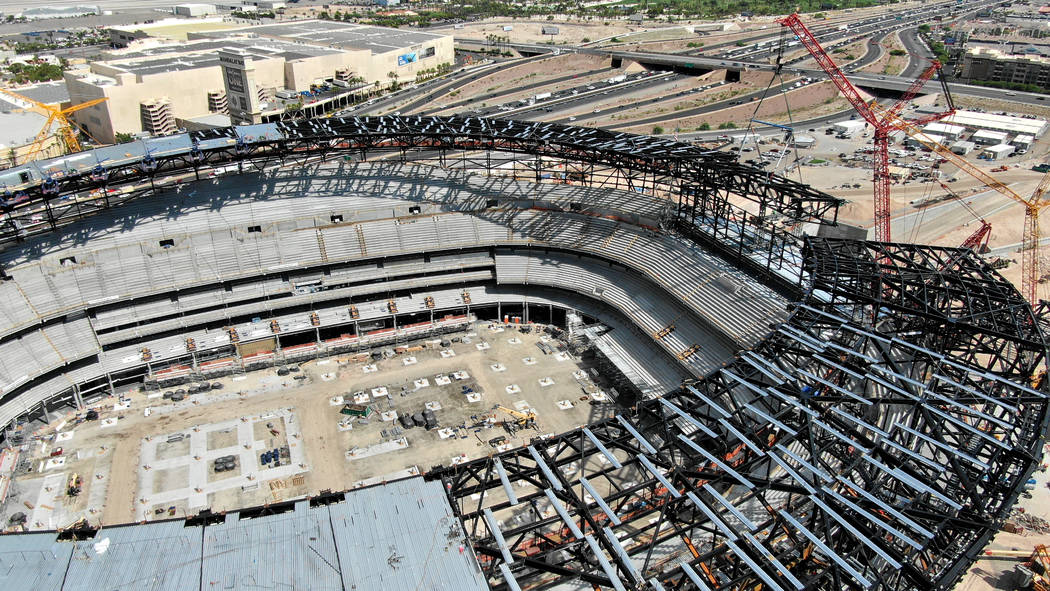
(571, 32)
(529, 73)
(108, 458)
(773, 108)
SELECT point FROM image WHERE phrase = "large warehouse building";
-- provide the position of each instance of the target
(152, 86)
(308, 365)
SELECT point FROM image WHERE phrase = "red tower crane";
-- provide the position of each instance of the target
(882, 126)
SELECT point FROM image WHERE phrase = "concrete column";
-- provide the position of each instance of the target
(77, 397)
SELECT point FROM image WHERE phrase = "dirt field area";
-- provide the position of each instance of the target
(773, 108)
(146, 467)
(569, 32)
(529, 73)
(890, 65)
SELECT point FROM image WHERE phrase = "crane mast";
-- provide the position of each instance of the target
(882, 129)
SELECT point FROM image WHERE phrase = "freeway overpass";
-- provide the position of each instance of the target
(706, 64)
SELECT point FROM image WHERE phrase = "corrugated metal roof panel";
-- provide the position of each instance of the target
(403, 536)
(33, 561)
(155, 556)
(292, 550)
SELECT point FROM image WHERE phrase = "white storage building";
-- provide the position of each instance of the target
(998, 151)
(988, 137)
(1009, 123)
(805, 141)
(1023, 141)
(745, 138)
(963, 147)
(930, 137)
(195, 9)
(849, 127)
(952, 132)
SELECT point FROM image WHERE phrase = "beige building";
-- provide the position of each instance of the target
(169, 28)
(988, 64)
(152, 80)
(380, 50)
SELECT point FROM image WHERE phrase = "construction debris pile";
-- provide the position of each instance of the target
(1021, 522)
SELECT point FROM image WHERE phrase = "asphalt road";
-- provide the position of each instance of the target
(929, 224)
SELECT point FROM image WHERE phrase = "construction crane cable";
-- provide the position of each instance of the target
(761, 99)
(754, 114)
(791, 124)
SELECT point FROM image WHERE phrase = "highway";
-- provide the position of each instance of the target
(584, 102)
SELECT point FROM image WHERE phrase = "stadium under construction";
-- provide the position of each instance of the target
(792, 410)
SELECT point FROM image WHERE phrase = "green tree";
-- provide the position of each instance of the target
(123, 138)
(658, 130)
(704, 126)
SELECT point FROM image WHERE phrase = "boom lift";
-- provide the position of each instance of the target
(882, 126)
(524, 419)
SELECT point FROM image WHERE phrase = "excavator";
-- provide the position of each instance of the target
(75, 483)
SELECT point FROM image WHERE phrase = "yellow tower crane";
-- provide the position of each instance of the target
(1033, 205)
(66, 133)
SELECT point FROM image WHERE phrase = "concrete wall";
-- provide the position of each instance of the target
(381, 64)
(187, 89)
(300, 74)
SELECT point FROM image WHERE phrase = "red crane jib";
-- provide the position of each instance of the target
(882, 127)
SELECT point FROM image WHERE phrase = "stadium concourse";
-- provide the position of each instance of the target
(796, 411)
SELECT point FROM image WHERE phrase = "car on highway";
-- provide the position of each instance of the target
(572, 119)
(597, 111)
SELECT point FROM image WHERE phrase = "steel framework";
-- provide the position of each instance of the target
(44, 196)
(875, 440)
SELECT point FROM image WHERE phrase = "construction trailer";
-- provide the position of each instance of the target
(963, 147)
(946, 130)
(998, 152)
(849, 128)
(988, 137)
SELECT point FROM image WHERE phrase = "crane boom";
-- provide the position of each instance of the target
(980, 236)
(846, 87)
(1033, 205)
(881, 139)
(53, 115)
(915, 87)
